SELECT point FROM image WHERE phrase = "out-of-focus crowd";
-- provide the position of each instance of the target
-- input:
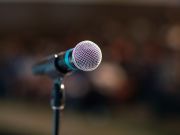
(141, 64)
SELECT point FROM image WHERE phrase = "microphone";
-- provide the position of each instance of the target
(85, 56)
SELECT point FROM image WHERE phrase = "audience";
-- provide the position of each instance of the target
(143, 72)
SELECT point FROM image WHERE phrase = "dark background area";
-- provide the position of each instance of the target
(136, 90)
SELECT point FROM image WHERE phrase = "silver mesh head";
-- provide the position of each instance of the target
(86, 56)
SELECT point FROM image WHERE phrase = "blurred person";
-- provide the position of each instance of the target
(169, 75)
(124, 53)
(83, 95)
(114, 78)
(169, 81)
(9, 56)
(77, 86)
(172, 38)
(110, 80)
(158, 79)
(150, 60)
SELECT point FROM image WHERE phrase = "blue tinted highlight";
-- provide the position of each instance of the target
(66, 59)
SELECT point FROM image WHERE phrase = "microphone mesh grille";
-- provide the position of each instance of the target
(87, 56)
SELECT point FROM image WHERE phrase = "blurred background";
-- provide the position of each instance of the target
(135, 91)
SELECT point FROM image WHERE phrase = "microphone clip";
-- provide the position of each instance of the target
(58, 95)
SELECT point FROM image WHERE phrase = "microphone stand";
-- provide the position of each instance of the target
(57, 103)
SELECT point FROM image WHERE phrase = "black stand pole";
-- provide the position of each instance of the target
(56, 122)
(57, 104)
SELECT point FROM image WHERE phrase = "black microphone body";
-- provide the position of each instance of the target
(54, 65)
(86, 56)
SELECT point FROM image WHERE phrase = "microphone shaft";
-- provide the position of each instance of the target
(53, 66)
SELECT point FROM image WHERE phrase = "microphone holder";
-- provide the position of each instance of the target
(57, 103)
